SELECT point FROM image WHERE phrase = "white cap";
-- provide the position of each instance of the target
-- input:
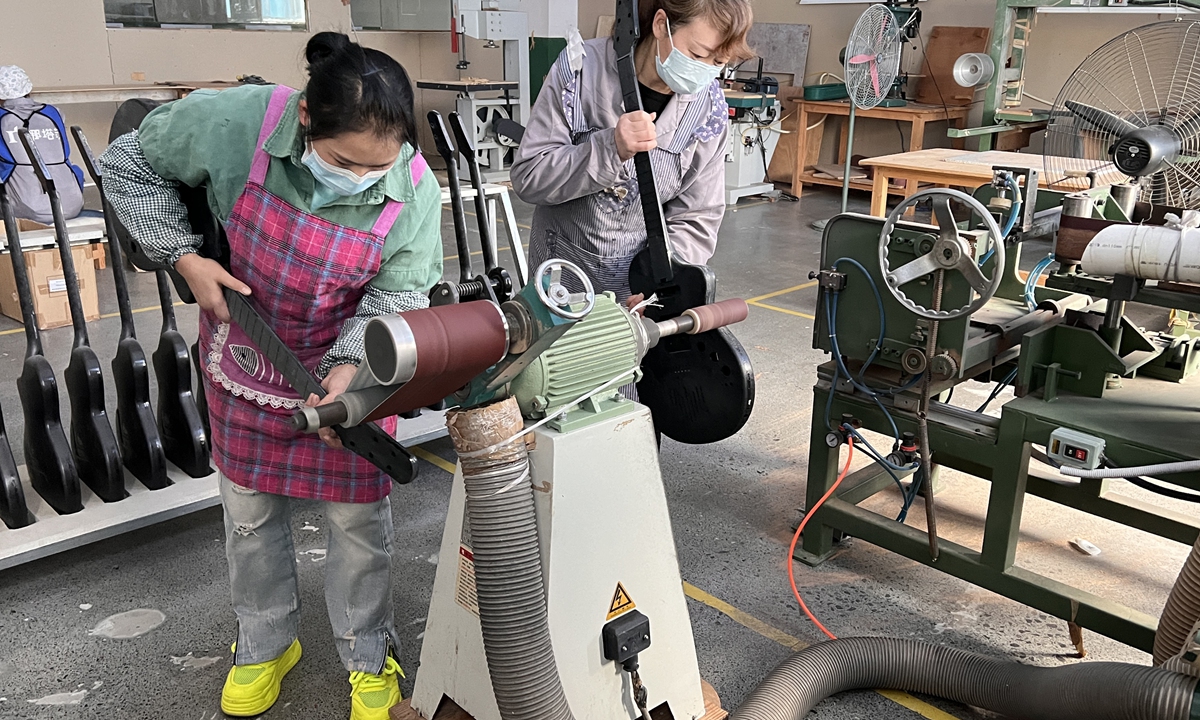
(14, 83)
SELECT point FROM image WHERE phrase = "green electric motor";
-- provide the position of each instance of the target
(599, 348)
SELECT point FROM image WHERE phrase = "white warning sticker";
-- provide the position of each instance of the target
(465, 592)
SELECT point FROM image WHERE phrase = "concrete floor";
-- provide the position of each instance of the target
(733, 506)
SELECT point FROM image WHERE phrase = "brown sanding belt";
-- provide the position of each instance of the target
(710, 317)
(455, 343)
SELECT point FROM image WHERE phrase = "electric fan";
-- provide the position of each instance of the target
(872, 62)
(1130, 113)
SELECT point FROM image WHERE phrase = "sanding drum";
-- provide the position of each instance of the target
(418, 358)
(413, 360)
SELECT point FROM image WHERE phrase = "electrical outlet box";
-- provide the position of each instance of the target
(1075, 449)
(626, 636)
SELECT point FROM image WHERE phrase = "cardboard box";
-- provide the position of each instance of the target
(48, 285)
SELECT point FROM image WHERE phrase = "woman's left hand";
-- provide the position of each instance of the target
(335, 383)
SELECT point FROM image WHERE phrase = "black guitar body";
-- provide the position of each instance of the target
(137, 433)
(201, 398)
(14, 513)
(48, 456)
(97, 454)
(184, 437)
(93, 442)
(699, 388)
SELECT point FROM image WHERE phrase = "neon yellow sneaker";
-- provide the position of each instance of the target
(373, 695)
(252, 689)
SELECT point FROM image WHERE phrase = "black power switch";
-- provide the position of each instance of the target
(626, 636)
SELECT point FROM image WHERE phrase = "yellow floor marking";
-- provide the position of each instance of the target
(437, 460)
(105, 316)
(455, 256)
(744, 619)
(779, 309)
(793, 643)
(735, 208)
(785, 291)
(747, 620)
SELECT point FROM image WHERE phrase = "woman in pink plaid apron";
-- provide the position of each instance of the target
(332, 218)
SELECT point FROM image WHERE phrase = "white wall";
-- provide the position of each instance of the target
(65, 42)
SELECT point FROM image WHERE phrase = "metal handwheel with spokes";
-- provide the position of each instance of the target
(555, 295)
(951, 251)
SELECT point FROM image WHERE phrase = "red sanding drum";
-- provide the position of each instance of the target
(454, 344)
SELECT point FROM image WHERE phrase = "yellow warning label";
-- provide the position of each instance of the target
(621, 603)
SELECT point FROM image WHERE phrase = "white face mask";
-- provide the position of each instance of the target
(684, 75)
(338, 180)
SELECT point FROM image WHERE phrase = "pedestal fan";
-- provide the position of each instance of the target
(872, 62)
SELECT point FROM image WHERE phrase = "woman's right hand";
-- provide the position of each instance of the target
(207, 280)
(635, 134)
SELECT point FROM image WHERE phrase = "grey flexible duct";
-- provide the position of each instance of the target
(1090, 691)
(508, 564)
(1182, 610)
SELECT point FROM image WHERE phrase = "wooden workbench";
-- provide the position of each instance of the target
(947, 167)
(915, 114)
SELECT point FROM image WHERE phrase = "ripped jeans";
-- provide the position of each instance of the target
(266, 594)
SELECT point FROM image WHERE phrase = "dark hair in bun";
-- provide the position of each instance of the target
(356, 89)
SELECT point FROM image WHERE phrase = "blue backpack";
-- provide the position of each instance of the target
(49, 134)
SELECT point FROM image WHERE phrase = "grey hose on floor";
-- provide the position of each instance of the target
(1182, 610)
(508, 564)
(1088, 691)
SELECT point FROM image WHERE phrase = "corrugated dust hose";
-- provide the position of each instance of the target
(508, 563)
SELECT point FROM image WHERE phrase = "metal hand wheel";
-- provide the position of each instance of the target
(555, 296)
(951, 251)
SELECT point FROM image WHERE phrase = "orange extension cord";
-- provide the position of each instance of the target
(795, 538)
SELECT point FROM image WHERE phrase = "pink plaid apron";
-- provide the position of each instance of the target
(307, 276)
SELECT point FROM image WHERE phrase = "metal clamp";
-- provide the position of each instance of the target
(556, 297)
(950, 252)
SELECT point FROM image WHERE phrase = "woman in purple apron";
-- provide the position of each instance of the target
(332, 218)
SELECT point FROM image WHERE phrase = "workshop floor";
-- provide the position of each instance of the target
(733, 506)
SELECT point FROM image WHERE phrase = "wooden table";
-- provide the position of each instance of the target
(166, 91)
(913, 113)
(945, 167)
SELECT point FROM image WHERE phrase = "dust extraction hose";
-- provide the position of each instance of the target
(508, 563)
(1091, 691)
(1182, 610)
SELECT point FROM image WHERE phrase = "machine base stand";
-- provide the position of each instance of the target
(607, 549)
(733, 194)
(449, 710)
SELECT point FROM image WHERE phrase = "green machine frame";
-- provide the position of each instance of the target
(1065, 380)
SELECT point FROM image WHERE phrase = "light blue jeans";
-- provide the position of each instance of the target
(263, 578)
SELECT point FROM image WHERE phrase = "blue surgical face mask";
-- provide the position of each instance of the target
(684, 75)
(334, 182)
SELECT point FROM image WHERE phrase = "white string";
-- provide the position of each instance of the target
(653, 300)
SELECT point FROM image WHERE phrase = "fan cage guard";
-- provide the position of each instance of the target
(876, 35)
(1147, 76)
